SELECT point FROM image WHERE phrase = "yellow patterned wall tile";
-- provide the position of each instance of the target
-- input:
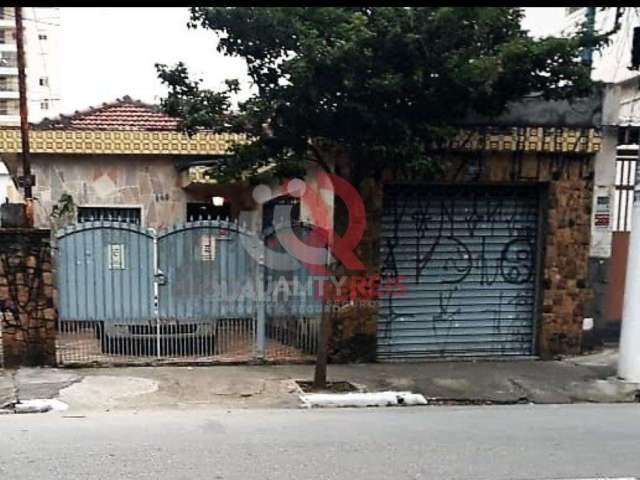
(140, 142)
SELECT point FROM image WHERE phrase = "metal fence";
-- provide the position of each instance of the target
(199, 292)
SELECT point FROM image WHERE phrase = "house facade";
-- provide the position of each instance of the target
(126, 161)
(493, 256)
(122, 160)
(614, 170)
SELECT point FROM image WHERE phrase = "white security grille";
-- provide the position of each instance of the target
(626, 159)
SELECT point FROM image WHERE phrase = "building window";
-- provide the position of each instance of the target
(110, 214)
(42, 36)
(270, 216)
(9, 59)
(44, 105)
(8, 84)
(626, 158)
(8, 106)
(207, 211)
(7, 36)
(43, 81)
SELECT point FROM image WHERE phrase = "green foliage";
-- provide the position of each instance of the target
(64, 211)
(193, 105)
(65, 206)
(385, 84)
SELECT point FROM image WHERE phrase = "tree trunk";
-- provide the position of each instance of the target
(320, 373)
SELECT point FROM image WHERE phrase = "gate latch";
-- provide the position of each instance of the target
(160, 278)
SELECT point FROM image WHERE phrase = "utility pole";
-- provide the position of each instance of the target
(26, 180)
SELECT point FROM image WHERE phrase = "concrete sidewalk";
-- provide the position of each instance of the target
(582, 379)
(7, 389)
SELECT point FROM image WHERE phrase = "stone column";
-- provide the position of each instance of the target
(27, 310)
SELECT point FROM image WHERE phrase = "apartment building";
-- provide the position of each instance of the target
(611, 64)
(41, 25)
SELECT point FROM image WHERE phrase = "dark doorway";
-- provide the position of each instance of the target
(269, 216)
(207, 211)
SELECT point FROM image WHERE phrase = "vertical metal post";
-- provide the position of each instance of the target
(629, 360)
(156, 292)
(260, 307)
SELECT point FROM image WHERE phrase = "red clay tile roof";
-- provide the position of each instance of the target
(123, 114)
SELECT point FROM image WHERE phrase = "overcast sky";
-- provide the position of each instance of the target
(107, 53)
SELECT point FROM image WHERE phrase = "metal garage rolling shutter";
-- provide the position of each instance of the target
(466, 259)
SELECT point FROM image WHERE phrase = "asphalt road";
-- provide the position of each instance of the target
(510, 442)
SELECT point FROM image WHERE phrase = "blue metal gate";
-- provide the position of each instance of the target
(196, 291)
(105, 274)
(209, 283)
(293, 305)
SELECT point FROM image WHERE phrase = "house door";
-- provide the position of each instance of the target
(466, 258)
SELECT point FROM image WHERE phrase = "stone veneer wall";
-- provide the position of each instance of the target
(567, 183)
(149, 182)
(27, 291)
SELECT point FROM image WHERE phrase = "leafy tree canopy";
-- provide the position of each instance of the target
(385, 84)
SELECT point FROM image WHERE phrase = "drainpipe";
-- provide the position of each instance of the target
(629, 360)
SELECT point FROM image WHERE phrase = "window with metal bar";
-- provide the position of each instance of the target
(111, 214)
(8, 59)
(626, 160)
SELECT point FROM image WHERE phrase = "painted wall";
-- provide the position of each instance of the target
(608, 257)
(5, 182)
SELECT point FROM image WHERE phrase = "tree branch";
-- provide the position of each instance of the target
(319, 158)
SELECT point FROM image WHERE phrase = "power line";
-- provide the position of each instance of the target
(43, 22)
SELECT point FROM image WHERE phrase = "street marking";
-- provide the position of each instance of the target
(601, 478)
